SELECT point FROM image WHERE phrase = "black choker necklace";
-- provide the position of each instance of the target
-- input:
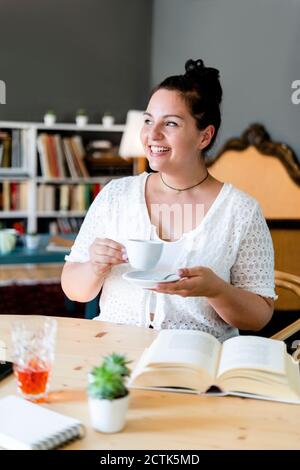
(184, 189)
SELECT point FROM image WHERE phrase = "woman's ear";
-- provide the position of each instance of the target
(206, 136)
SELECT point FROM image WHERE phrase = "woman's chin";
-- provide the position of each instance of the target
(156, 164)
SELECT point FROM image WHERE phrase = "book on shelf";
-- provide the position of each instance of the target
(13, 152)
(195, 362)
(61, 157)
(60, 244)
(78, 155)
(57, 248)
(28, 426)
(5, 142)
(13, 195)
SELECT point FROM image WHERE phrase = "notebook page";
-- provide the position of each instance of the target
(25, 425)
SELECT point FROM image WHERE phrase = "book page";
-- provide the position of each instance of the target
(253, 352)
(186, 348)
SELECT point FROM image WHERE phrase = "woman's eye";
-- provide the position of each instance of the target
(171, 124)
(147, 121)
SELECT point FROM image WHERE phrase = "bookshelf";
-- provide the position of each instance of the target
(25, 181)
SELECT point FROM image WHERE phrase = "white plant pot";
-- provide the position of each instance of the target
(49, 119)
(108, 415)
(32, 241)
(108, 121)
(7, 241)
(81, 121)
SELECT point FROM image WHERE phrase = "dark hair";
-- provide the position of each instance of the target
(201, 89)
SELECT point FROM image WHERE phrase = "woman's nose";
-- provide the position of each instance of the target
(155, 132)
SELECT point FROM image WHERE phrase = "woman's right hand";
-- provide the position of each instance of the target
(105, 253)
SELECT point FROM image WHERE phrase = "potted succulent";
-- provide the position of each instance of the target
(108, 119)
(81, 118)
(108, 395)
(50, 118)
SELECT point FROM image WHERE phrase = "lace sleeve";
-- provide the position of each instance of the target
(253, 269)
(93, 226)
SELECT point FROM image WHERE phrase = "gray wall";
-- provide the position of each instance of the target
(254, 44)
(70, 54)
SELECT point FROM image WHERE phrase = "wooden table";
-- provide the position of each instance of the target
(22, 273)
(23, 264)
(155, 420)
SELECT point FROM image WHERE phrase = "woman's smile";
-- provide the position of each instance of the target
(158, 151)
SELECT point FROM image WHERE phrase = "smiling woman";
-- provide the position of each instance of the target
(224, 258)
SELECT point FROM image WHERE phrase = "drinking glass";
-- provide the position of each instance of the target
(33, 342)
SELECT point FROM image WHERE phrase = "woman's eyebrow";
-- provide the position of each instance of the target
(173, 115)
(165, 115)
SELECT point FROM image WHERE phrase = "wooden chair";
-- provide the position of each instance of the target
(270, 172)
(290, 282)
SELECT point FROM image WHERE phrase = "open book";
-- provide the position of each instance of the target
(194, 361)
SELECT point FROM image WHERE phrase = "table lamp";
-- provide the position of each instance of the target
(131, 146)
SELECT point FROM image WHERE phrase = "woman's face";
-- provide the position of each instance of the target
(169, 135)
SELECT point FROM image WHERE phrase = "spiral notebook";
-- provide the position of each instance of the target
(28, 426)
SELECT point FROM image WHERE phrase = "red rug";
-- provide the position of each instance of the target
(38, 299)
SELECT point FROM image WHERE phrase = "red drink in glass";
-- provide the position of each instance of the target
(33, 340)
(32, 380)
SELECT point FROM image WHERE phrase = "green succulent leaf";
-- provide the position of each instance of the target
(117, 363)
(107, 381)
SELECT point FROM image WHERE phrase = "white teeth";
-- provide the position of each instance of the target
(156, 149)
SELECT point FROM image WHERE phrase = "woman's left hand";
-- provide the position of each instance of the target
(194, 282)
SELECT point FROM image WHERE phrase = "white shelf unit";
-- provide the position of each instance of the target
(29, 170)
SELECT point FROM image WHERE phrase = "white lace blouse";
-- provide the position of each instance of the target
(232, 239)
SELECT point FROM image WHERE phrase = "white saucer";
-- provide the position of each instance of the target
(149, 279)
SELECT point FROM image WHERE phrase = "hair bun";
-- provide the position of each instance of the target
(204, 78)
(194, 65)
(197, 67)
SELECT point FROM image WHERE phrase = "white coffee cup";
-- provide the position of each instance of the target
(143, 254)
